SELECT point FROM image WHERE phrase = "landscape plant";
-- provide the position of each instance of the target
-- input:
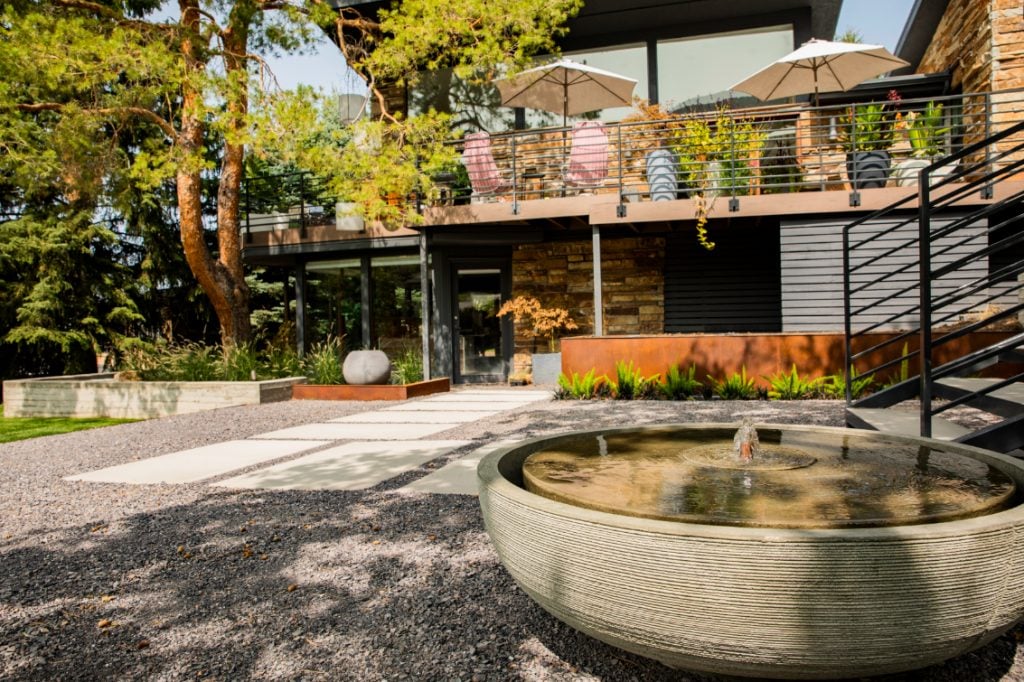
(680, 385)
(537, 321)
(587, 387)
(791, 386)
(407, 367)
(630, 384)
(834, 385)
(735, 386)
(322, 363)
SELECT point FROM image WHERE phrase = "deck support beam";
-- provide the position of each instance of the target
(425, 303)
(598, 316)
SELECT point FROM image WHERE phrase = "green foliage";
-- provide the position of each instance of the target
(407, 367)
(868, 127)
(679, 385)
(580, 388)
(926, 131)
(322, 363)
(792, 386)
(903, 374)
(630, 384)
(23, 428)
(834, 385)
(198, 362)
(736, 386)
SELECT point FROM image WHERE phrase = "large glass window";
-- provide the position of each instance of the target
(397, 303)
(473, 106)
(700, 70)
(333, 302)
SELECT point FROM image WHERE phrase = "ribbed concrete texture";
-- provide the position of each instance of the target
(197, 464)
(353, 466)
(802, 604)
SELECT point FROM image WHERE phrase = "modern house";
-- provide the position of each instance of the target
(771, 182)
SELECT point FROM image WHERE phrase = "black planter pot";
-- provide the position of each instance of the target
(867, 170)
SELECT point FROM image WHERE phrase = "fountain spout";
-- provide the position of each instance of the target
(745, 443)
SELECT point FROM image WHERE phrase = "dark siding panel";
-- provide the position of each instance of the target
(734, 288)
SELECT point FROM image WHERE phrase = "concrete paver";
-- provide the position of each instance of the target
(197, 464)
(336, 431)
(458, 477)
(352, 466)
(462, 406)
(413, 417)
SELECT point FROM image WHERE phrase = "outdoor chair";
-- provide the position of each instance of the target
(484, 176)
(588, 155)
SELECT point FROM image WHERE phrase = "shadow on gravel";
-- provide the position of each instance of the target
(306, 585)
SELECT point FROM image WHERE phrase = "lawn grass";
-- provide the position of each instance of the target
(22, 428)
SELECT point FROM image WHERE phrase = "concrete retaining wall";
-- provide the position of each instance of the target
(98, 395)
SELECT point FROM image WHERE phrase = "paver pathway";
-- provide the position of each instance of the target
(379, 444)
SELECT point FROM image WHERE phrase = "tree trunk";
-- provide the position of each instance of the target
(222, 279)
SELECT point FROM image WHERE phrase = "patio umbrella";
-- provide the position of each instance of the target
(820, 66)
(566, 87)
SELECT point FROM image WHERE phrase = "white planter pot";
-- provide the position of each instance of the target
(347, 218)
(546, 368)
(907, 171)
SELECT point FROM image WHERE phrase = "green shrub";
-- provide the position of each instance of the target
(242, 363)
(407, 368)
(834, 385)
(580, 388)
(322, 364)
(630, 384)
(680, 386)
(792, 386)
(736, 386)
(904, 372)
(281, 361)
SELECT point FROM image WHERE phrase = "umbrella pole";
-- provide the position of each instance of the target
(821, 153)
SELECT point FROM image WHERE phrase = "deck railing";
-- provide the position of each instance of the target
(722, 155)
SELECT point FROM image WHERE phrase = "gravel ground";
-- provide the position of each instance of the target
(192, 582)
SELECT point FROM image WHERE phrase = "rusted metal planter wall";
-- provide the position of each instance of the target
(720, 354)
(370, 392)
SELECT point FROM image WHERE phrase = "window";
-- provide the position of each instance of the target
(699, 70)
(333, 302)
(397, 301)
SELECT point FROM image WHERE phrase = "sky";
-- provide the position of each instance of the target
(879, 22)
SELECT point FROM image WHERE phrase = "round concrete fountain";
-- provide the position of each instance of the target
(762, 574)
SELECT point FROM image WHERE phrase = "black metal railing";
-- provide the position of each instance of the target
(733, 154)
(923, 279)
(288, 201)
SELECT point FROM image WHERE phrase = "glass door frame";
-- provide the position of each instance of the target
(504, 268)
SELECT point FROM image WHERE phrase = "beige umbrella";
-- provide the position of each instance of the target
(566, 87)
(820, 66)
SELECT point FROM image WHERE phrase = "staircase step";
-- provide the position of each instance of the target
(1007, 401)
(901, 422)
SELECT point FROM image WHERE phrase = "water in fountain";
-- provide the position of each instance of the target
(766, 478)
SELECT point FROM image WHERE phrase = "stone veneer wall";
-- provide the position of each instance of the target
(561, 274)
(982, 43)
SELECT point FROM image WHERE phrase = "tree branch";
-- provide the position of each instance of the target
(141, 112)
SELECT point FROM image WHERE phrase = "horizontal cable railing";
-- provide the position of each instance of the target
(722, 155)
(733, 154)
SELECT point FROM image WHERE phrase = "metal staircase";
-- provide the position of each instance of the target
(934, 295)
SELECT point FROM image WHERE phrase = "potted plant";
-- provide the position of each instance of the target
(926, 132)
(540, 323)
(867, 133)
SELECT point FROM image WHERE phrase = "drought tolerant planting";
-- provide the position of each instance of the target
(678, 383)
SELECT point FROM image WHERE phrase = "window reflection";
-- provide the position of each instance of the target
(333, 302)
(397, 300)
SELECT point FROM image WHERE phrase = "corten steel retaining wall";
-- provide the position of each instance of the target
(98, 395)
(761, 602)
(815, 355)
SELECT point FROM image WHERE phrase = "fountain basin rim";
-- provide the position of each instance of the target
(490, 476)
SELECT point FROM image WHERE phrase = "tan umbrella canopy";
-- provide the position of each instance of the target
(566, 87)
(820, 66)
